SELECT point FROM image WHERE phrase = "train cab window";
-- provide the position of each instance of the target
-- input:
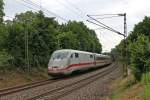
(91, 56)
(76, 55)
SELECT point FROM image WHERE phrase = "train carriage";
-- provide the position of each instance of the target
(66, 61)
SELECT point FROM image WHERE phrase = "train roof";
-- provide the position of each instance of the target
(78, 51)
(71, 50)
(102, 55)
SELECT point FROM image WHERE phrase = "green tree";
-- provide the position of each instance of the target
(45, 35)
(67, 40)
(2, 27)
(87, 39)
(1, 11)
(138, 47)
(140, 55)
(142, 27)
(41, 32)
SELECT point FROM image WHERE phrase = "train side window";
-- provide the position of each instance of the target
(98, 58)
(91, 56)
(71, 56)
(76, 55)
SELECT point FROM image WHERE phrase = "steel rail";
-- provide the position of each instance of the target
(19, 88)
(59, 89)
(62, 94)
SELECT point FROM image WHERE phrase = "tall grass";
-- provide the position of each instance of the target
(146, 83)
(147, 92)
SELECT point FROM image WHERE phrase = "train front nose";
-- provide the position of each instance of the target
(58, 62)
(56, 68)
(55, 71)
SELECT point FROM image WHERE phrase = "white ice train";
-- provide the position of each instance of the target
(66, 61)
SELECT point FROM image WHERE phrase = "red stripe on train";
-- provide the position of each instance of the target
(79, 65)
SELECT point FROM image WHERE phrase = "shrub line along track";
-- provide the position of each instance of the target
(19, 88)
(62, 91)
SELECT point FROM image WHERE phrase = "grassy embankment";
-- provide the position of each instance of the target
(12, 77)
(126, 89)
(146, 84)
(129, 89)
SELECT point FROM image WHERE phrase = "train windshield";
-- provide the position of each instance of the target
(59, 55)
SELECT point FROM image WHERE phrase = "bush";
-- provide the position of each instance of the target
(140, 56)
(5, 59)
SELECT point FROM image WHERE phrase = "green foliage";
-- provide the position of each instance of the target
(67, 40)
(40, 31)
(1, 11)
(146, 83)
(146, 92)
(4, 59)
(138, 48)
(3, 36)
(14, 44)
(146, 78)
(141, 28)
(122, 87)
(45, 35)
(140, 55)
(87, 39)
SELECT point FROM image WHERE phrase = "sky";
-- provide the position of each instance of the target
(79, 9)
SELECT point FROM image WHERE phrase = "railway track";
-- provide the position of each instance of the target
(69, 88)
(54, 91)
(19, 88)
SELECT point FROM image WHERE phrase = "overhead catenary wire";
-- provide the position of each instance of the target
(102, 33)
(103, 27)
(35, 3)
(68, 8)
(26, 5)
(77, 8)
(42, 8)
(40, 4)
(125, 70)
(102, 24)
(107, 17)
(104, 15)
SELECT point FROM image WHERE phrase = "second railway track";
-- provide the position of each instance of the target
(56, 93)
(19, 88)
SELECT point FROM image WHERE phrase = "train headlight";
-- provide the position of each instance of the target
(49, 68)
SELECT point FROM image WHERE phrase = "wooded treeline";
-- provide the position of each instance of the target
(45, 35)
(138, 49)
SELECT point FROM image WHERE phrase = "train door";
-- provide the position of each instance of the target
(94, 60)
(74, 58)
(74, 61)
